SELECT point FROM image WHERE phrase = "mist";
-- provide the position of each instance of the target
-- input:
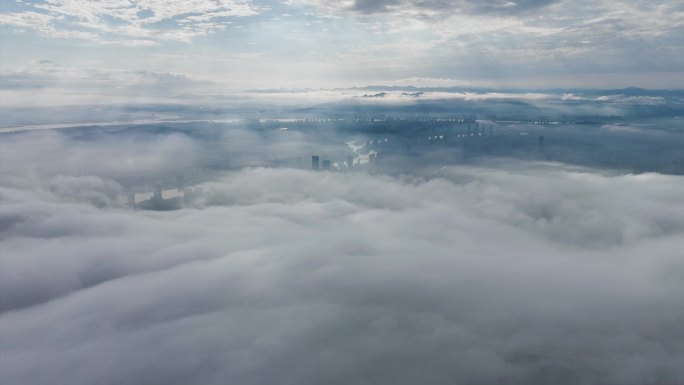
(473, 269)
(362, 192)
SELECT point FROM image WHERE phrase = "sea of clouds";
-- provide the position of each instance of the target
(501, 272)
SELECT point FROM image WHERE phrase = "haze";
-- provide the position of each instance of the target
(341, 192)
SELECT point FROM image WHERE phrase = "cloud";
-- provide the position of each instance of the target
(512, 43)
(504, 271)
(431, 8)
(56, 159)
(129, 22)
(444, 6)
(504, 43)
(632, 100)
(44, 83)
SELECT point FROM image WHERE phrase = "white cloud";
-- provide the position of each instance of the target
(551, 37)
(43, 23)
(526, 273)
(43, 83)
(633, 100)
(608, 43)
(113, 21)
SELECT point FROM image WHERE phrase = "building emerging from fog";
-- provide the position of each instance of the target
(315, 162)
(157, 193)
(373, 159)
(326, 165)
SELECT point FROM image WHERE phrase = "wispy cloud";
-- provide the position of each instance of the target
(129, 22)
(48, 84)
(321, 43)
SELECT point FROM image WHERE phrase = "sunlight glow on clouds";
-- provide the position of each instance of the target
(323, 43)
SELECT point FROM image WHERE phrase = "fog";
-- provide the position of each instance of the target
(483, 270)
(356, 192)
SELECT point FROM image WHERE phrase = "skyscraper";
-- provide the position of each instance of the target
(315, 162)
(157, 192)
(373, 159)
(350, 161)
(326, 165)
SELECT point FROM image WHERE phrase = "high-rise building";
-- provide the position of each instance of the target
(350, 161)
(315, 162)
(326, 165)
(157, 192)
(373, 159)
(541, 140)
(187, 194)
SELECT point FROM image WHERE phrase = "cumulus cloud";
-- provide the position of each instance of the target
(516, 272)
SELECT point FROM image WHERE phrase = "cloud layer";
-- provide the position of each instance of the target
(322, 43)
(523, 273)
(434, 7)
(134, 23)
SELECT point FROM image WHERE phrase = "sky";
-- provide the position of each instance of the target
(142, 50)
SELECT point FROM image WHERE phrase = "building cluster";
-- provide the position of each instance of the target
(327, 164)
(164, 199)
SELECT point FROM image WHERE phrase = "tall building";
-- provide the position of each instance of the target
(157, 192)
(187, 194)
(541, 140)
(350, 161)
(326, 165)
(373, 159)
(315, 162)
